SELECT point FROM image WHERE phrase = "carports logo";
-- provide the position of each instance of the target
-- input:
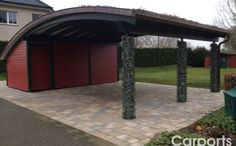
(179, 141)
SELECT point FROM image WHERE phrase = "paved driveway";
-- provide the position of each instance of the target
(22, 127)
(97, 109)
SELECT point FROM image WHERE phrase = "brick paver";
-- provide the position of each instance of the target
(97, 109)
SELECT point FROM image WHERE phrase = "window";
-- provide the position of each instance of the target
(8, 17)
(12, 18)
(3, 17)
(36, 16)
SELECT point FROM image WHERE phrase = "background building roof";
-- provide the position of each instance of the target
(36, 3)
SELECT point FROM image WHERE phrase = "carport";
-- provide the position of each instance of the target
(78, 46)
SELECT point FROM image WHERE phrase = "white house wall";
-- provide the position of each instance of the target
(24, 16)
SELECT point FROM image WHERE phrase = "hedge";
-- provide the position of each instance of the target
(155, 57)
(167, 56)
(2, 63)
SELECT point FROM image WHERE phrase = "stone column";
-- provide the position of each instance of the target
(215, 68)
(182, 71)
(128, 72)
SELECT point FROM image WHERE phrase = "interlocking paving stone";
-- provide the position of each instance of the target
(97, 109)
(22, 127)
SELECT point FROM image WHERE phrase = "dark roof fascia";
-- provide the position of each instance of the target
(143, 14)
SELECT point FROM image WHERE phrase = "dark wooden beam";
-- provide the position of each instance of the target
(29, 66)
(58, 27)
(166, 31)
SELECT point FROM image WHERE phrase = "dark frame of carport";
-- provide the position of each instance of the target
(107, 24)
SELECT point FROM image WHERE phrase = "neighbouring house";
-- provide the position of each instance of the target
(15, 14)
(227, 60)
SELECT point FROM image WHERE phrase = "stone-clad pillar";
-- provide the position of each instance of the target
(215, 68)
(128, 72)
(182, 71)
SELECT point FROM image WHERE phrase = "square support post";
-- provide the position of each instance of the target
(215, 68)
(182, 71)
(128, 96)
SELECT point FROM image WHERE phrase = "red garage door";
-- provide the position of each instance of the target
(40, 66)
(103, 63)
(71, 65)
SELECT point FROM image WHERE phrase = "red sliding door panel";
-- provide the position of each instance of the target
(17, 76)
(71, 65)
(40, 66)
(103, 63)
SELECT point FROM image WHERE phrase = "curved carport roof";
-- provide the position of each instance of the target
(107, 24)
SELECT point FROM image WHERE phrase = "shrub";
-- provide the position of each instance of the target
(2, 45)
(165, 138)
(218, 119)
(230, 81)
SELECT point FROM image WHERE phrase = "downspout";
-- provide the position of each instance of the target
(219, 55)
(226, 40)
(221, 43)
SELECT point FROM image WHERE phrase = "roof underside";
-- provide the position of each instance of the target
(108, 24)
(36, 3)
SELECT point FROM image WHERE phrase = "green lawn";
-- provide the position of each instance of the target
(197, 77)
(2, 76)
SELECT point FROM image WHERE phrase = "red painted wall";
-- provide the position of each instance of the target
(232, 61)
(228, 61)
(40, 62)
(207, 62)
(17, 67)
(71, 64)
(103, 63)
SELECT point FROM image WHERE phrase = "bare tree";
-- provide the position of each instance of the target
(226, 18)
(226, 14)
(155, 42)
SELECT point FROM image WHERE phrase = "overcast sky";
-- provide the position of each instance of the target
(203, 11)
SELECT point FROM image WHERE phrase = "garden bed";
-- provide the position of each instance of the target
(214, 125)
